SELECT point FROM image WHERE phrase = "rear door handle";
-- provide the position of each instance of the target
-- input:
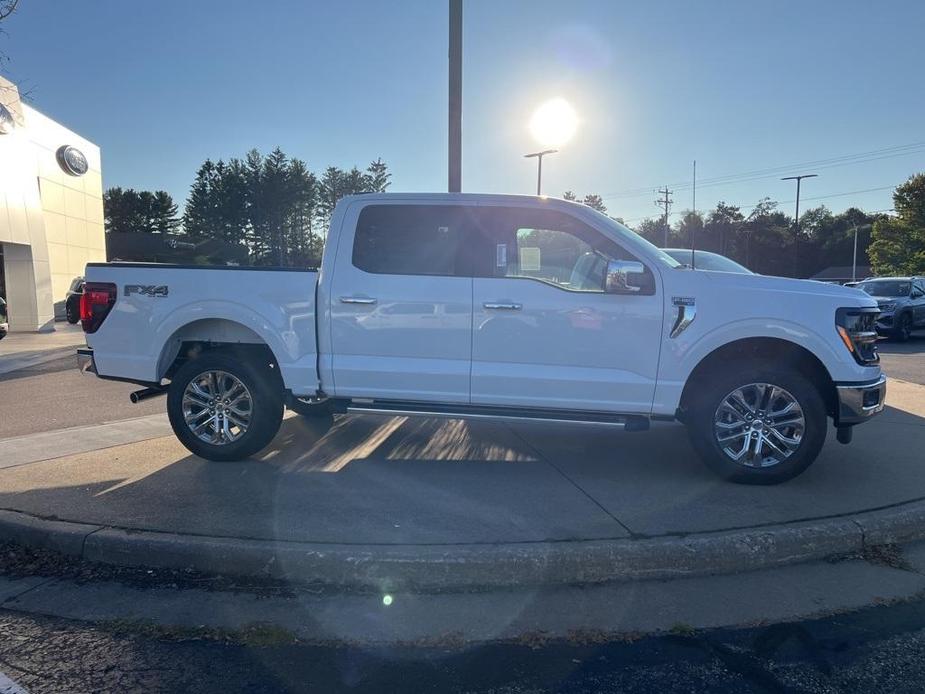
(502, 305)
(357, 300)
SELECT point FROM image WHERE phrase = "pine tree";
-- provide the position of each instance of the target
(378, 176)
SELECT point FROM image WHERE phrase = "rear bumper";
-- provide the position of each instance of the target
(858, 402)
(85, 361)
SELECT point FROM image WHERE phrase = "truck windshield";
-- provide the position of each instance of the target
(886, 287)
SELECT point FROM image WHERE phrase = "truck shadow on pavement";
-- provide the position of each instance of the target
(396, 480)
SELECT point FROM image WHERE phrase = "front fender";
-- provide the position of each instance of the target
(681, 355)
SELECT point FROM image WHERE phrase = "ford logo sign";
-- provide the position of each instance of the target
(6, 120)
(72, 160)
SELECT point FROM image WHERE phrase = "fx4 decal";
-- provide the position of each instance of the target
(146, 289)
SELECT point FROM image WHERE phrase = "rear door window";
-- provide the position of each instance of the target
(410, 240)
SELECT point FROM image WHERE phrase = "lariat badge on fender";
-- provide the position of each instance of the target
(687, 312)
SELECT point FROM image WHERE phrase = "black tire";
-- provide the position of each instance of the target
(266, 405)
(903, 328)
(71, 312)
(700, 423)
(310, 407)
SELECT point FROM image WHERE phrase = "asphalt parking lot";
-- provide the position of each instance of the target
(373, 481)
(385, 482)
(905, 360)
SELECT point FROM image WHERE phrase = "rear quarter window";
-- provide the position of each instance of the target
(409, 239)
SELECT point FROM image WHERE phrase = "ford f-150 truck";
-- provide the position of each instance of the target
(498, 307)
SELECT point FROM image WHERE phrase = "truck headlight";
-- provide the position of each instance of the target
(858, 331)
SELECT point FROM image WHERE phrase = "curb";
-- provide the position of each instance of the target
(471, 566)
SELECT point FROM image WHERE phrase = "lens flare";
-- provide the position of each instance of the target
(553, 123)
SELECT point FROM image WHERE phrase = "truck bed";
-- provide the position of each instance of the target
(158, 307)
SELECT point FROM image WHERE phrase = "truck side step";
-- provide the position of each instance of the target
(629, 422)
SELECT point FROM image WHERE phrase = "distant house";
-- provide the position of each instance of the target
(842, 273)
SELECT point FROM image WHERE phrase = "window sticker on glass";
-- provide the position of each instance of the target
(501, 255)
(529, 259)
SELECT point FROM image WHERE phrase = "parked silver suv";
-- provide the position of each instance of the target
(902, 304)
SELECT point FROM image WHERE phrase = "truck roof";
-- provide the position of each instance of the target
(466, 198)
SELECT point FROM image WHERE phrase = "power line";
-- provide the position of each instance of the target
(771, 172)
(748, 206)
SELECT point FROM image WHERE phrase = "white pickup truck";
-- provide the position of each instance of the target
(499, 307)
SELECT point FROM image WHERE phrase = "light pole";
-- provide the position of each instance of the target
(539, 166)
(798, 179)
(454, 130)
(796, 217)
(854, 257)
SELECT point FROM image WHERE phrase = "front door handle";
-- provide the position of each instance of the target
(357, 300)
(502, 305)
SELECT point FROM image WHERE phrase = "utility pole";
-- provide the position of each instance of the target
(665, 202)
(539, 166)
(796, 216)
(854, 257)
(454, 143)
(694, 207)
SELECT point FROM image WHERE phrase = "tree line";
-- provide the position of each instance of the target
(768, 241)
(279, 210)
(271, 204)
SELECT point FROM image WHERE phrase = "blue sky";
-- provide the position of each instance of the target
(739, 86)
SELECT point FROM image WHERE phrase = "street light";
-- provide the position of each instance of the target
(552, 125)
(798, 179)
(854, 257)
(539, 166)
(796, 218)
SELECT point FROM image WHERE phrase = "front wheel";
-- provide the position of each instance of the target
(758, 425)
(222, 407)
(904, 328)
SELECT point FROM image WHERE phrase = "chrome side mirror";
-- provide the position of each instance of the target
(617, 278)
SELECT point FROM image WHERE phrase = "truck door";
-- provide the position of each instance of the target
(401, 305)
(918, 303)
(544, 332)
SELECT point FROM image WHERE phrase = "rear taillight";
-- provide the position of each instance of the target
(97, 300)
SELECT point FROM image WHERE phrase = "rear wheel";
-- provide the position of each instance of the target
(223, 407)
(71, 312)
(310, 407)
(903, 328)
(758, 425)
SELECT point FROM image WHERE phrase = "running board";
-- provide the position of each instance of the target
(628, 422)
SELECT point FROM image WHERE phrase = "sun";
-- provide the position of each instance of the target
(553, 123)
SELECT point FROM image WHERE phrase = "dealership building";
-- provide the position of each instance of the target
(51, 211)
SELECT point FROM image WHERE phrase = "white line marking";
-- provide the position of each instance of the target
(8, 686)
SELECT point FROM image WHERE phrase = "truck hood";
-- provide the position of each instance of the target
(848, 296)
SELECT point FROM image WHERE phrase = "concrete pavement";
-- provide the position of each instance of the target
(378, 500)
(24, 350)
(54, 395)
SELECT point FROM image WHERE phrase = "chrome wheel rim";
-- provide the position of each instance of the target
(759, 425)
(217, 407)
